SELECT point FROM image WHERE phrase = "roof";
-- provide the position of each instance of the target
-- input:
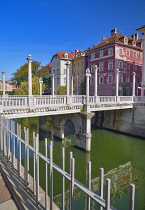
(49, 65)
(61, 55)
(116, 38)
(141, 29)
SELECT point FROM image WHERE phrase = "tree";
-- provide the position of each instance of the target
(83, 87)
(62, 90)
(23, 89)
(21, 74)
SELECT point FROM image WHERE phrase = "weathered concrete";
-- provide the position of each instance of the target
(82, 125)
(129, 121)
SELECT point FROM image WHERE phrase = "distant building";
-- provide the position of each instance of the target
(48, 67)
(8, 86)
(59, 68)
(79, 66)
(116, 52)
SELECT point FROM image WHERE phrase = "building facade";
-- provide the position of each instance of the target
(79, 66)
(59, 69)
(117, 52)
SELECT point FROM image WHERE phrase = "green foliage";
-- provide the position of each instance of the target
(21, 74)
(62, 90)
(83, 87)
(23, 89)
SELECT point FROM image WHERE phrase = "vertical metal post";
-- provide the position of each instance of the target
(51, 175)
(34, 177)
(3, 77)
(70, 157)
(132, 197)
(89, 184)
(18, 147)
(46, 177)
(14, 149)
(37, 169)
(27, 156)
(3, 136)
(107, 207)
(0, 132)
(63, 179)
(101, 184)
(7, 139)
(72, 183)
(19, 166)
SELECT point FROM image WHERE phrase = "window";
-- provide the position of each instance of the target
(57, 71)
(125, 40)
(101, 54)
(78, 64)
(54, 72)
(128, 52)
(101, 79)
(110, 51)
(134, 43)
(127, 91)
(57, 63)
(128, 65)
(134, 54)
(92, 81)
(92, 68)
(82, 63)
(74, 65)
(128, 78)
(120, 77)
(57, 80)
(64, 71)
(110, 65)
(120, 51)
(54, 64)
(101, 66)
(92, 56)
(109, 79)
(66, 55)
(134, 66)
(120, 64)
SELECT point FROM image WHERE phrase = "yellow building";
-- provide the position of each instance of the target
(79, 68)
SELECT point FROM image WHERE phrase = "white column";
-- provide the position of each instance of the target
(143, 59)
(52, 85)
(72, 85)
(77, 85)
(29, 75)
(96, 80)
(88, 75)
(117, 81)
(40, 82)
(3, 78)
(67, 85)
(133, 84)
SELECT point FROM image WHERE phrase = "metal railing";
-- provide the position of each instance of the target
(10, 134)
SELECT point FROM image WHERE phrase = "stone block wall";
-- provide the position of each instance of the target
(129, 121)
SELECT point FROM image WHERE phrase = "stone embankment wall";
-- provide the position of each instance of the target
(129, 121)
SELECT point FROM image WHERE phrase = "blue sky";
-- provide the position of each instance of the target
(44, 27)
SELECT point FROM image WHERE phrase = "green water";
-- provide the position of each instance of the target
(121, 156)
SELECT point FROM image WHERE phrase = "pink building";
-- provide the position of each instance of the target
(116, 52)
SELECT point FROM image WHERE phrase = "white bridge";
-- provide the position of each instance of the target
(26, 106)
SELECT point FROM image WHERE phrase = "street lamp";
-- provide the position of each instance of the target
(29, 75)
(67, 69)
(40, 82)
(3, 78)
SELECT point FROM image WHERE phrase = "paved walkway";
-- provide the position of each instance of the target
(6, 201)
(25, 195)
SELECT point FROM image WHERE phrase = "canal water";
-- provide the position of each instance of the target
(121, 156)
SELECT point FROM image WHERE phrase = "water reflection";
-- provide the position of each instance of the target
(122, 158)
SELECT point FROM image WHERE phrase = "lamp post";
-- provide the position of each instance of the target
(3, 78)
(40, 82)
(77, 85)
(29, 75)
(72, 84)
(67, 85)
(52, 85)
(117, 81)
(133, 84)
(88, 75)
(96, 81)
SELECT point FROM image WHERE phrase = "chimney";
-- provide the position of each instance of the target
(135, 36)
(113, 31)
(103, 38)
